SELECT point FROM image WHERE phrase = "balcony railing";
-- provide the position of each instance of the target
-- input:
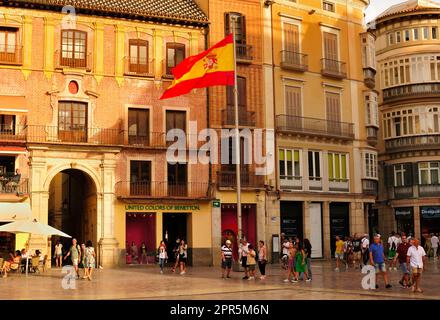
(55, 134)
(370, 78)
(244, 53)
(370, 187)
(162, 189)
(333, 68)
(429, 190)
(64, 61)
(228, 179)
(12, 133)
(245, 118)
(404, 192)
(313, 126)
(11, 55)
(342, 185)
(291, 182)
(138, 67)
(411, 90)
(10, 185)
(294, 61)
(422, 142)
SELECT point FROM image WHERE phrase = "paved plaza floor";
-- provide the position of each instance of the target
(199, 283)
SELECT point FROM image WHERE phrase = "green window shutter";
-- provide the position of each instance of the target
(344, 166)
(289, 155)
(337, 166)
(281, 155)
(330, 166)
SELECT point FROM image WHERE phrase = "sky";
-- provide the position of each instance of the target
(376, 7)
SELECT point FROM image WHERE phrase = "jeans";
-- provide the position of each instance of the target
(435, 252)
(262, 267)
(161, 263)
(309, 267)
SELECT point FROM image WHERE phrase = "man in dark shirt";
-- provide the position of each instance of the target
(357, 255)
(401, 252)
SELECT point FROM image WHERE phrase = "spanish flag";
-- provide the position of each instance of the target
(212, 67)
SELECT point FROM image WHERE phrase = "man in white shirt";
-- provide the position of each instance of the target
(416, 257)
(434, 245)
(393, 243)
(244, 250)
(365, 249)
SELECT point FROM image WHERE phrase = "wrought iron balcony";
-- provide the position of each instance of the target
(315, 127)
(422, 142)
(411, 91)
(12, 133)
(333, 68)
(295, 61)
(10, 185)
(245, 118)
(228, 179)
(63, 61)
(11, 55)
(162, 189)
(134, 66)
(244, 53)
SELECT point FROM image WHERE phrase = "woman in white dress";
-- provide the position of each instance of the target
(90, 260)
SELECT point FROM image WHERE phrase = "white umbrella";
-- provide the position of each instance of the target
(32, 227)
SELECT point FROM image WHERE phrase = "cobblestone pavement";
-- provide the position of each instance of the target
(145, 282)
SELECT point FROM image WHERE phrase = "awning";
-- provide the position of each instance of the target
(13, 102)
(12, 150)
(12, 211)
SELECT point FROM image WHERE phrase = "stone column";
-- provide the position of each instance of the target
(326, 225)
(106, 210)
(216, 234)
(306, 219)
(261, 218)
(357, 218)
(417, 226)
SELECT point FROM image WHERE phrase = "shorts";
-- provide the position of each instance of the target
(380, 267)
(244, 262)
(292, 264)
(391, 254)
(182, 259)
(357, 256)
(416, 270)
(339, 255)
(58, 255)
(404, 267)
(227, 264)
(251, 267)
(75, 261)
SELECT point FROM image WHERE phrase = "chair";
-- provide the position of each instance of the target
(35, 262)
(42, 264)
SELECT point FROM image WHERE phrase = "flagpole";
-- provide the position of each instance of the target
(237, 140)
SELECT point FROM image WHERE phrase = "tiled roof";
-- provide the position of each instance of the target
(185, 10)
(410, 6)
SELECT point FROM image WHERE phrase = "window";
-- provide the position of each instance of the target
(140, 177)
(370, 165)
(398, 37)
(293, 105)
(434, 33)
(428, 173)
(7, 124)
(314, 159)
(416, 34)
(291, 45)
(138, 126)
(72, 121)
(331, 47)
(73, 48)
(175, 120)
(407, 35)
(328, 6)
(244, 117)
(138, 56)
(8, 45)
(177, 179)
(371, 109)
(289, 164)
(399, 175)
(390, 38)
(333, 111)
(175, 55)
(337, 166)
(425, 33)
(239, 21)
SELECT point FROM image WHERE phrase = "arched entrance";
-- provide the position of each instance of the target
(73, 206)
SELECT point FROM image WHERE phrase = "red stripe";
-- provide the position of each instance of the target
(186, 65)
(221, 78)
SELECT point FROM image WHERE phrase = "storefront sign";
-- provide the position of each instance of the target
(430, 212)
(216, 203)
(154, 207)
(403, 211)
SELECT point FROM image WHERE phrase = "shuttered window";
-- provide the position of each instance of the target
(138, 56)
(293, 101)
(333, 108)
(291, 37)
(330, 46)
(239, 24)
(176, 120)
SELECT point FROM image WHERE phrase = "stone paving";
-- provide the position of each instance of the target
(145, 282)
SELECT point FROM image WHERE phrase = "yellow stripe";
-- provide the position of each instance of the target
(225, 62)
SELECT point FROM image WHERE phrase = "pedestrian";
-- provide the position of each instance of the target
(251, 261)
(90, 260)
(176, 254)
(143, 253)
(227, 256)
(183, 256)
(59, 254)
(75, 255)
(285, 254)
(308, 251)
(365, 249)
(339, 252)
(300, 262)
(82, 261)
(262, 259)
(348, 252)
(357, 252)
(434, 245)
(393, 243)
(291, 263)
(134, 252)
(162, 251)
(244, 250)
(377, 259)
(415, 259)
(401, 253)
